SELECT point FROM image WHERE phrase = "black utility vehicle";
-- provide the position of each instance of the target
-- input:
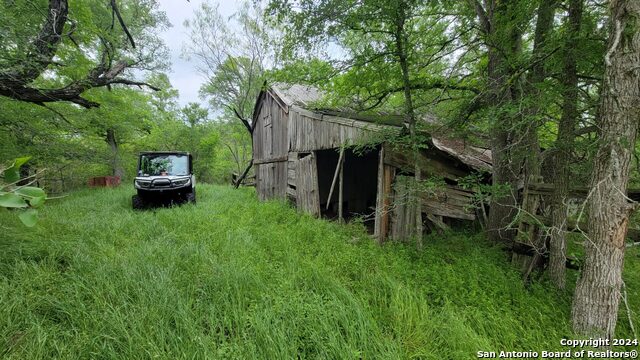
(164, 178)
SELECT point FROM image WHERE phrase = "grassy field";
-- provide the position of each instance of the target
(234, 278)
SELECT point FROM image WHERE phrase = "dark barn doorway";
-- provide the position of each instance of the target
(360, 177)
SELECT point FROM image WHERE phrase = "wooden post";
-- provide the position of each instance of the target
(388, 174)
(340, 191)
(335, 175)
(378, 231)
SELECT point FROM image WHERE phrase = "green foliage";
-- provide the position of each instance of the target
(91, 22)
(12, 173)
(353, 49)
(21, 197)
(299, 71)
(11, 200)
(75, 144)
(483, 192)
(232, 278)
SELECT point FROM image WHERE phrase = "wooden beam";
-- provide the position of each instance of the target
(449, 201)
(576, 191)
(335, 176)
(437, 221)
(272, 160)
(342, 121)
(430, 162)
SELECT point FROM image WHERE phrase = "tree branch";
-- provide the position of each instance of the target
(244, 121)
(244, 175)
(42, 50)
(482, 16)
(98, 77)
(15, 79)
(114, 8)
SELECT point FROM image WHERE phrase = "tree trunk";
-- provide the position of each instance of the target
(597, 295)
(531, 150)
(503, 40)
(116, 168)
(409, 114)
(563, 147)
(528, 151)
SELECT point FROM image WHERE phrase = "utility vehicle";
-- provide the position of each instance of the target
(164, 178)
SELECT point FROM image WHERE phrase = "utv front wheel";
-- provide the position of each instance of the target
(191, 197)
(137, 202)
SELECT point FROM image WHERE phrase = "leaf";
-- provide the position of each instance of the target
(11, 200)
(29, 217)
(12, 174)
(31, 191)
(21, 161)
(37, 201)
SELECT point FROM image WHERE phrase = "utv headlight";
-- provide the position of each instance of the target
(180, 182)
(143, 183)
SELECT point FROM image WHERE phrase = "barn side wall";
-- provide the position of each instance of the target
(270, 148)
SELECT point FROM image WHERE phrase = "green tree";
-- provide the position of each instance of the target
(56, 52)
(597, 295)
(393, 56)
(232, 54)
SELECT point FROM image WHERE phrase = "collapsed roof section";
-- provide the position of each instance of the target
(309, 97)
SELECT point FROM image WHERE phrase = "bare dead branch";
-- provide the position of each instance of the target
(244, 121)
(244, 175)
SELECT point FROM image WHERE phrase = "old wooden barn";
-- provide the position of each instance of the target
(302, 154)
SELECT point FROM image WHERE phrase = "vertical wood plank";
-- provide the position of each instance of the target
(388, 174)
(377, 232)
(308, 197)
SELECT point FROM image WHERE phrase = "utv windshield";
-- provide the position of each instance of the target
(163, 165)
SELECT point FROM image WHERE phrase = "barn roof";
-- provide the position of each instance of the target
(296, 94)
(476, 157)
(304, 96)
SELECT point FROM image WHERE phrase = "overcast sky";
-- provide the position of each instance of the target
(183, 75)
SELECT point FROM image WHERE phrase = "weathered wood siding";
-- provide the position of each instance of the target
(448, 201)
(270, 130)
(292, 164)
(271, 180)
(403, 219)
(308, 131)
(270, 147)
(307, 194)
(386, 174)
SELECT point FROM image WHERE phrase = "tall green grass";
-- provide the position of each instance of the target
(232, 278)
